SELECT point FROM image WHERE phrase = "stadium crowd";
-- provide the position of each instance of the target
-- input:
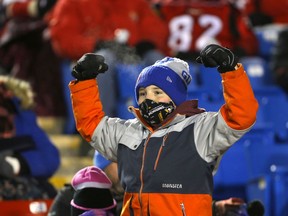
(41, 42)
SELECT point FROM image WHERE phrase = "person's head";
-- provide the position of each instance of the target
(161, 87)
(15, 94)
(7, 112)
(20, 90)
(92, 193)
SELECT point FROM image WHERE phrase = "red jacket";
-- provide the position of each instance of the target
(77, 25)
(193, 25)
(276, 10)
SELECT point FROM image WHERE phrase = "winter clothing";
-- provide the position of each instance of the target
(174, 84)
(167, 170)
(92, 192)
(43, 160)
(90, 177)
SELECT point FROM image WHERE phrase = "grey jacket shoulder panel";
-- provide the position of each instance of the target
(112, 131)
(212, 136)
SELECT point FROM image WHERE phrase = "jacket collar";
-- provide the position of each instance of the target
(186, 109)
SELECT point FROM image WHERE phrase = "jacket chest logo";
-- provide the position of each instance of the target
(167, 185)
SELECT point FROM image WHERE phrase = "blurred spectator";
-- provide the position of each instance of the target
(263, 12)
(232, 206)
(25, 53)
(27, 8)
(194, 24)
(92, 194)
(237, 207)
(279, 61)
(61, 203)
(2, 16)
(27, 156)
(78, 26)
(270, 22)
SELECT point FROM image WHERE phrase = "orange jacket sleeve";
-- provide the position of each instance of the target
(87, 106)
(241, 106)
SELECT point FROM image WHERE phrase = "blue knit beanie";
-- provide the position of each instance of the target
(170, 74)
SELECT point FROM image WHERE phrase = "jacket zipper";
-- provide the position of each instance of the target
(160, 151)
(183, 209)
(141, 173)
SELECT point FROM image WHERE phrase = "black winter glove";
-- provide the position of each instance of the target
(214, 55)
(89, 66)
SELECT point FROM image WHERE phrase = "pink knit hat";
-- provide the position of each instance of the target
(90, 176)
(92, 190)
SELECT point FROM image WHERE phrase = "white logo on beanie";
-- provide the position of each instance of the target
(178, 66)
(169, 79)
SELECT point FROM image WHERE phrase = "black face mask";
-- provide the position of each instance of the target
(154, 113)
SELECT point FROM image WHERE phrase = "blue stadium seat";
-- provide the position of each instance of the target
(273, 111)
(265, 160)
(267, 37)
(233, 173)
(209, 86)
(280, 190)
(258, 71)
(211, 106)
(122, 109)
(234, 159)
(231, 177)
(195, 88)
(210, 78)
(194, 72)
(126, 79)
(260, 189)
(260, 156)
